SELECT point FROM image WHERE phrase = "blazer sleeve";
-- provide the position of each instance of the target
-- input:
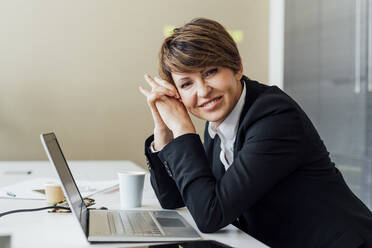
(271, 151)
(164, 186)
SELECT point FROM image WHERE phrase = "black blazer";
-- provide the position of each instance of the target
(282, 187)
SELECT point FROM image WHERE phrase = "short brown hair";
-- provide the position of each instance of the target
(198, 44)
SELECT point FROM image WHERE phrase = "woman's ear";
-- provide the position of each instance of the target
(239, 74)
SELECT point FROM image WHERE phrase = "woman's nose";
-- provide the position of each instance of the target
(204, 89)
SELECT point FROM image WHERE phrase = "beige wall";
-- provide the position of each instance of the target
(74, 67)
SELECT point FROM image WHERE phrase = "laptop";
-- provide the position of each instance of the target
(116, 225)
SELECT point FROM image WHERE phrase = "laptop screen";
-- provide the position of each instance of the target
(72, 193)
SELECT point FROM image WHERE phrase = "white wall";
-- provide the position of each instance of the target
(74, 67)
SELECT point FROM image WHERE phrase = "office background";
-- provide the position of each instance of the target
(74, 67)
(328, 70)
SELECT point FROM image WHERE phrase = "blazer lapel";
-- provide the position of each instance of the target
(213, 150)
(254, 89)
(218, 167)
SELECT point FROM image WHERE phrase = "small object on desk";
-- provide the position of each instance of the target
(5, 240)
(53, 193)
(41, 191)
(11, 194)
(16, 172)
(87, 201)
(116, 189)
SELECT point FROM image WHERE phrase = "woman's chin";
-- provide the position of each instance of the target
(212, 117)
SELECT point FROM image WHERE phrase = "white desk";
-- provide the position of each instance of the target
(43, 229)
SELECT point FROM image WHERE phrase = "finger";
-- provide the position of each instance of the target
(155, 85)
(151, 99)
(166, 84)
(144, 91)
(163, 91)
(155, 96)
(150, 81)
(156, 115)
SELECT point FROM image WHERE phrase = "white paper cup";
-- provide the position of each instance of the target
(131, 188)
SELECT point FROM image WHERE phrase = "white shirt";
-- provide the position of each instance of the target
(227, 131)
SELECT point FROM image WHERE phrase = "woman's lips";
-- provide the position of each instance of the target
(210, 105)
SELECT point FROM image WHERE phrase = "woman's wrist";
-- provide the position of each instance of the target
(184, 130)
(162, 136)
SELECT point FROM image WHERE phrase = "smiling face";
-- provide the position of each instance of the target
(210, 93)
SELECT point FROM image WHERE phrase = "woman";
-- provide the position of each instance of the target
(263, 166)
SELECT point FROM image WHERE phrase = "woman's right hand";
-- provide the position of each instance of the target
(159, 88)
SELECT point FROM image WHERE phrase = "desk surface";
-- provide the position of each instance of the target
(42, 229)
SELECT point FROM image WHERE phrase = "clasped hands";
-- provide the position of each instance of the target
(170, 116)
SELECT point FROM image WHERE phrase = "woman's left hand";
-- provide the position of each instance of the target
(175, 116)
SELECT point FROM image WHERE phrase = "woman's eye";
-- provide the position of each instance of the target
(184, 85)
(211, 72)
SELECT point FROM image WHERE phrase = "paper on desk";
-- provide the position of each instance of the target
(25, 189)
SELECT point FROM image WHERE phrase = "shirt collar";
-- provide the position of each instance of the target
(229, 126)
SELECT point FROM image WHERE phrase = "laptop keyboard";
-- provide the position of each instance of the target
(133, 223)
